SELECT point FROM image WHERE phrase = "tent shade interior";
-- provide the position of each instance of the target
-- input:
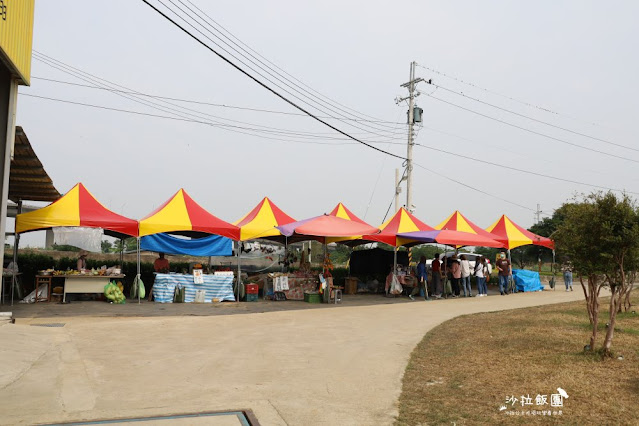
(375, 261)
(78, 207)
(212, 245)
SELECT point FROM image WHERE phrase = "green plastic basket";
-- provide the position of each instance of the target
(312, 298)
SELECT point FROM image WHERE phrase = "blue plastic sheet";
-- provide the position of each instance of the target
(213, 245)
(527, 280)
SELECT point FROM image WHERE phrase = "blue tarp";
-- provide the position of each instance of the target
(527, 280)
(213, 245)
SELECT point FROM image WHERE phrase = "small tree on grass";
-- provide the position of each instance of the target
(600, 236)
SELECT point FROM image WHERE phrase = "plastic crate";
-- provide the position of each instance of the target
(252, 288)
(312, 298)
(251, 297)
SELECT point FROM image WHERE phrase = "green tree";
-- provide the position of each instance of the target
(488, 252)
(600, 236)
(424, 250)
(130, 244)
(106, 246)
(340, 254)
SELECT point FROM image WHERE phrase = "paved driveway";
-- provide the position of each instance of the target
(333, 366)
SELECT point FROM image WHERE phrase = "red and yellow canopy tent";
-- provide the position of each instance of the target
(262, 222)
(458, 222)
(343, 212)
(513, 235)
(77, 208)
(402, 222)
(180, 214)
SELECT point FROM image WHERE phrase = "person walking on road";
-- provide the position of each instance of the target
(567, 270)
(465, 276)
(504, 268)
(422, 279)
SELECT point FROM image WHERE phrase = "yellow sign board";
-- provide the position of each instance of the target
(16, 36)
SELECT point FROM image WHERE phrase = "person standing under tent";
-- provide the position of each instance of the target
(567, 270)
(82, 260)
(422, 279)
(480, 272)
(161, 264)
(437, 277)
(465, 276)
(505, 270)
(455, 272)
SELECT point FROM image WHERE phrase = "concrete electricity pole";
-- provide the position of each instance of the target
(538, 213)
(411, 121)
(398, 189)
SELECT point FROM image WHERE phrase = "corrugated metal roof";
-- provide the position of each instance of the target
(27, 178)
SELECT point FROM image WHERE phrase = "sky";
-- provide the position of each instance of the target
(554, 82)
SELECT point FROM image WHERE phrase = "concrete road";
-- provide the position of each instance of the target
(333, 366)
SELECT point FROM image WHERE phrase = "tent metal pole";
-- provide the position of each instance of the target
(285, 264)
(552, 269)
(239, 271)
(510, 273)
(138, 274)
(14, 280)
(394, 267)
(16, 242)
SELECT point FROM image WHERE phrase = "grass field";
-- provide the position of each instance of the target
(464, 370)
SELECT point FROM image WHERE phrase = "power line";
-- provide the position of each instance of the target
(528, 104)
(534, 119)
(252, 66)
(178, 119)
(130, 94)
(266, 86)
(296, 114)
(533, 131)
(473, 188)
(221, 30)
(503, 166)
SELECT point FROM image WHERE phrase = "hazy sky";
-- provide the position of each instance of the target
(575, 59)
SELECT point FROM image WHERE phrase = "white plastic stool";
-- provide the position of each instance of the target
(337, 295)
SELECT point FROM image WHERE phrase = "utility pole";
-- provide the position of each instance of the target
(398, 189)
(411, 121)
(538, 213)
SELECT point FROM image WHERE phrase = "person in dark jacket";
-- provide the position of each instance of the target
(422, 279)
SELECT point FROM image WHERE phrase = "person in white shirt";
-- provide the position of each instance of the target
(465, 276)
(480, 274)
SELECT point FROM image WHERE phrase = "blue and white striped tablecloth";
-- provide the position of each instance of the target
(216, 286)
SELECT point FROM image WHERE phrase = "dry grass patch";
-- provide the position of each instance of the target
(463, 370)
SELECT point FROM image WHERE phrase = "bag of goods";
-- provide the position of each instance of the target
(138, 286)
(113, 293)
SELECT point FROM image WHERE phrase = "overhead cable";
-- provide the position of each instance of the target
(265, 86)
